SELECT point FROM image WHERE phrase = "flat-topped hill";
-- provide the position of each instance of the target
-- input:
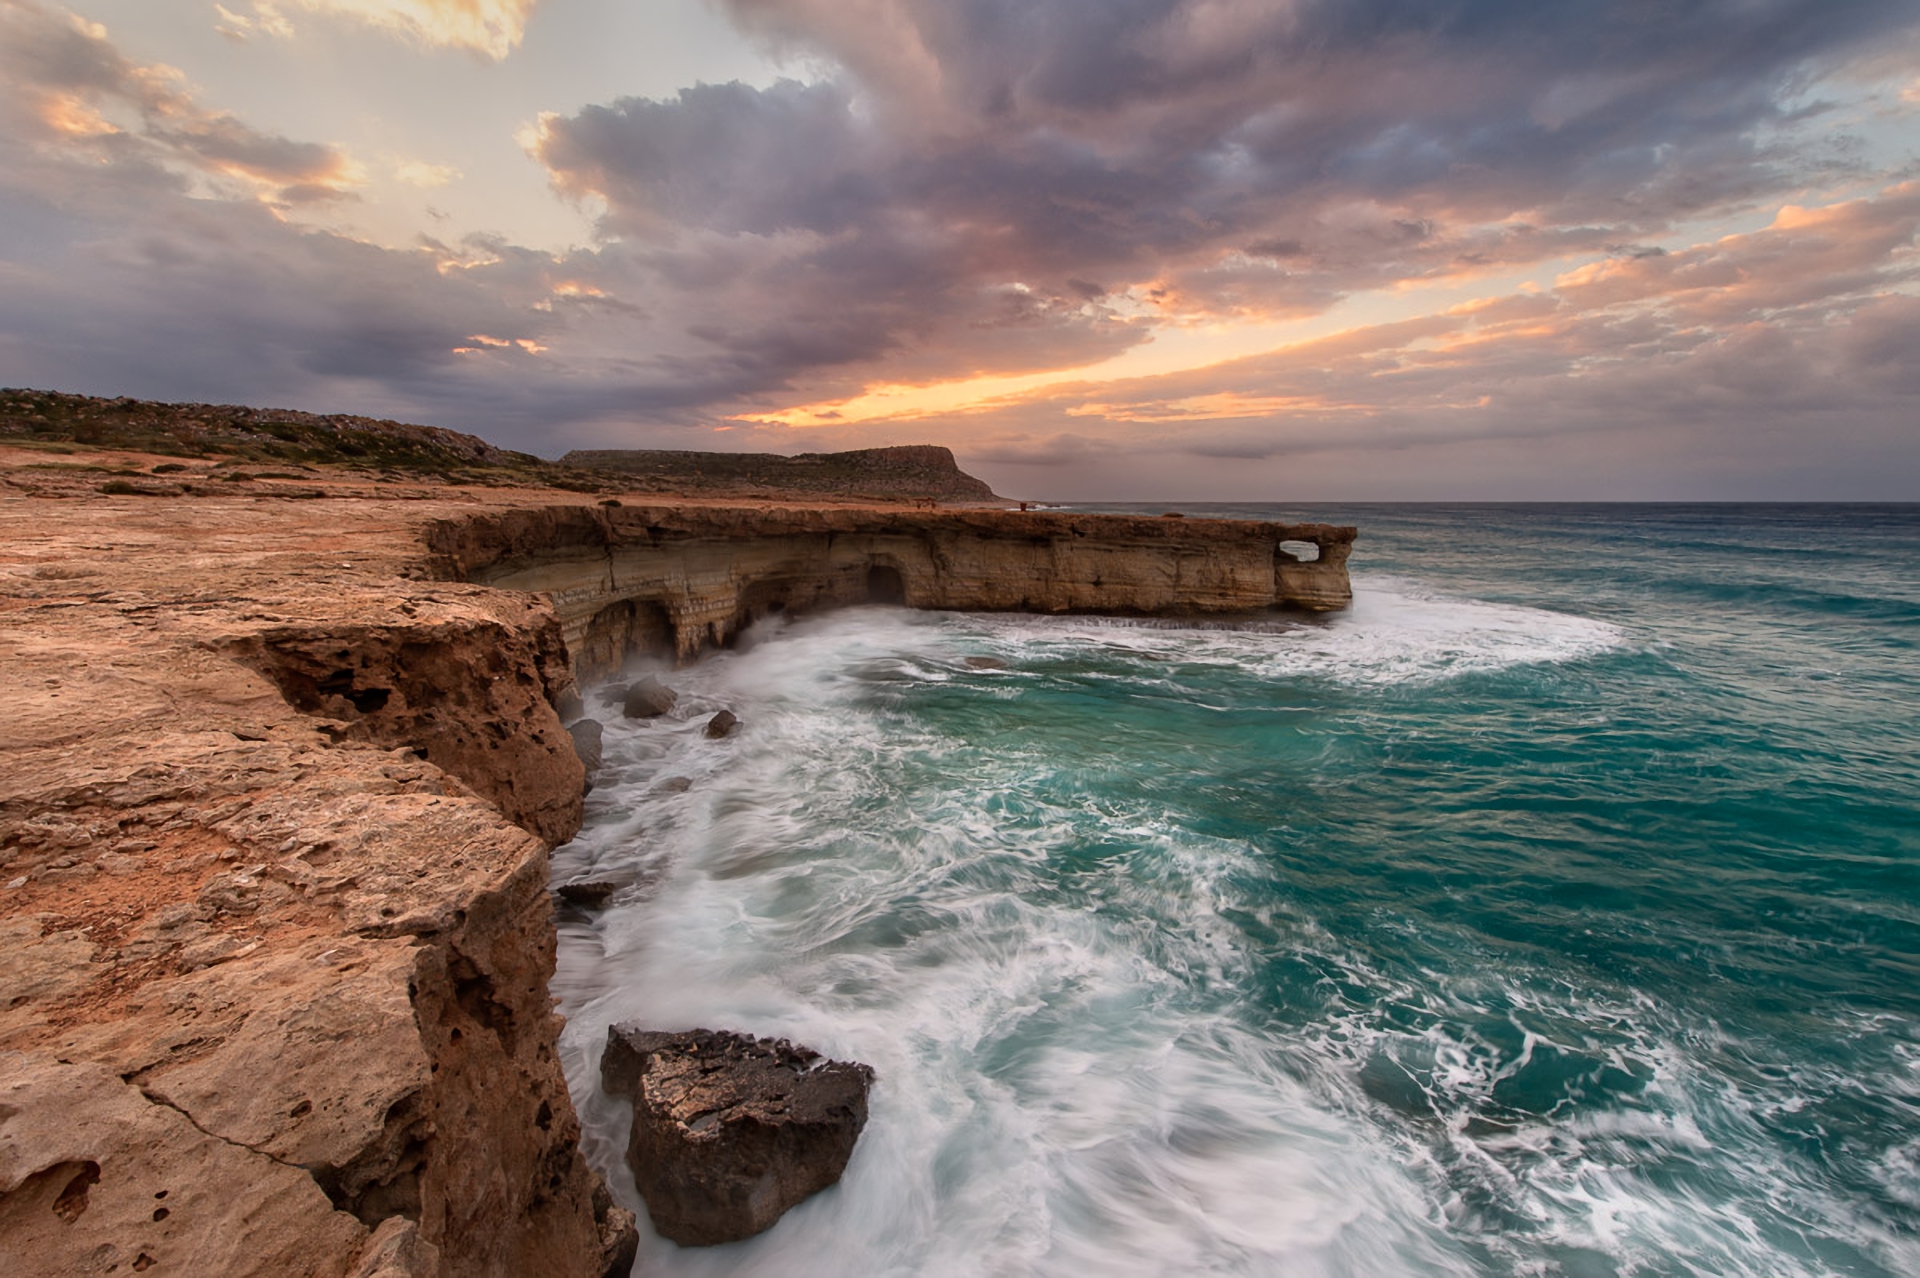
(285, 439)
(911, 471)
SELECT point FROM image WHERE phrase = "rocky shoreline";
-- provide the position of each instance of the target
(277, 805)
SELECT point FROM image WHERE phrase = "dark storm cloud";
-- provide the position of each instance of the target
(1218, 157)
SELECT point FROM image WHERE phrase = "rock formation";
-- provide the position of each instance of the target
(729, 1131)
(274, 922)
(677, 580)
(280, 769)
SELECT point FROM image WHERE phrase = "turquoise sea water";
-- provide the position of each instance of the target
(1554, 911)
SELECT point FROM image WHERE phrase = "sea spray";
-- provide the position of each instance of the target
(1423, 939)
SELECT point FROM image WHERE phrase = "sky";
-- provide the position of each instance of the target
(1236, 250)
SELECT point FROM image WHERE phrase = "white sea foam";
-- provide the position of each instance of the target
(1070, 1079)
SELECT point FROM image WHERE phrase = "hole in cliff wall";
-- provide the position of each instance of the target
(885, 585)
(1301, 552)
(626, 628)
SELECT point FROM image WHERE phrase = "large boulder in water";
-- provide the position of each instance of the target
(589, 742)
(647, 699)
(722, 725)
(729, 1131)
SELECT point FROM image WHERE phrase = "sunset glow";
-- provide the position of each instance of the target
(1101, 250)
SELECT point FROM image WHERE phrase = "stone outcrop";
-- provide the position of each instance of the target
(647, 698)
(274, 829)
(678, 580)
(730, 1131)
(278, 783)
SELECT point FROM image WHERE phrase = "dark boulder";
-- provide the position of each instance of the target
(647, 699)
(568, 705)
(730, 1131)
(588, 737)
(589, 894)
(722, 725)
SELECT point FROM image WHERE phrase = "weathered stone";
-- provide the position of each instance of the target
(683, 579)
(722, 725)
(568, 705)
(730, 1131)
(589, 743)
(589, 894)
(647, 699)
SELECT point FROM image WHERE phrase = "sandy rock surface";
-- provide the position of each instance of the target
(274, 928)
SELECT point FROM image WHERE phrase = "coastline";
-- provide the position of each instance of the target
(278, 810)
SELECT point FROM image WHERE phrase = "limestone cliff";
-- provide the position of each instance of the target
(279, 774)
(680, 579)
(274, 823)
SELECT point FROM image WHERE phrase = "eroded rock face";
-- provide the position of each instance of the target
(730, 1131)
(275, 957)
(677, 580)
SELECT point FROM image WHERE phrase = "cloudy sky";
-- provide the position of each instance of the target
(1288, 250)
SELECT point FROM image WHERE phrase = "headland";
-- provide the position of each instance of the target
(282, 770)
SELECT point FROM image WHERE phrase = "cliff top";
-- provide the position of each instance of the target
(293, 443)
(913, 471)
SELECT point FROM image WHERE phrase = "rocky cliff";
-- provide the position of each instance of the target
(279, 775)
(274, 824)
(626, 579)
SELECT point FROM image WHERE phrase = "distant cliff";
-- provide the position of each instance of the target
(908, 471)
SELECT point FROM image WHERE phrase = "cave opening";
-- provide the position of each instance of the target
(885, 585)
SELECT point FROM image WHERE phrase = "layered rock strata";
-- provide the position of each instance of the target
(678, 580)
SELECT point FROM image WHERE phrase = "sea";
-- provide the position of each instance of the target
(1553, 911)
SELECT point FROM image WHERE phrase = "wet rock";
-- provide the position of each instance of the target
(589, 894)
(588, 742)
(722, 725)
(674, 785)
(985, 663)
(568, 705)
(647, 699)
(730, 1131)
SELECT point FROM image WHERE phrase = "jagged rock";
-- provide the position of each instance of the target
(647, 699)
(588, 742)
(722, 725)
(589, 894)
(730, 1131)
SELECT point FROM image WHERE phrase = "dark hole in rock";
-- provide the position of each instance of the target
(544, 1119)
(885, 585)
(143, 1262)
(73, 1199)
(301, 1110)
(161, 1213)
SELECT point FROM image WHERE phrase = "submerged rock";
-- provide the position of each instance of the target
(722, 725)
(730, 1131)
(985, 663)
(647, 699)
(674, 785)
